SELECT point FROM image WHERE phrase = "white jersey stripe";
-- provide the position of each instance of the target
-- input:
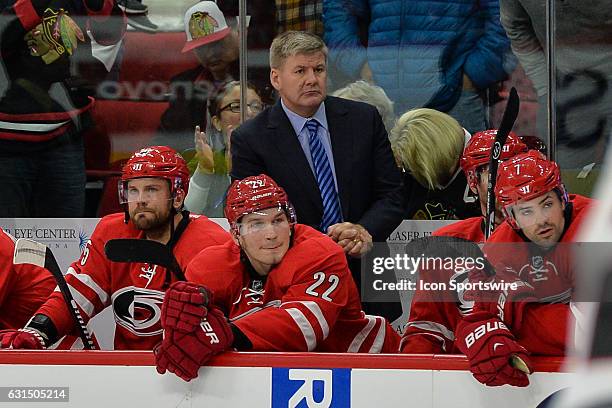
(316, 311)
(379, 341)
(32, 127)
(440, 338)
(82, 301)
(305, 326)
(362, 335)
(90, 283)
(432, 326)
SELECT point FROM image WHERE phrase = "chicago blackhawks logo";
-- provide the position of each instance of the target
(202, 24)
(138, 310)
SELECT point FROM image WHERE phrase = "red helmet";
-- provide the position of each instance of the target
(525, 177)
(255, 193)
(477, 153)
(157, 161)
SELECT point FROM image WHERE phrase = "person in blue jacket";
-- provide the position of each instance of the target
(441, 55)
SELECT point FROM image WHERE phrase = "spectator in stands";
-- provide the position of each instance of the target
(267, 280)
(436, 54)
(42, 169)
(363, 91)
(300, 15)
(210, 180)
(331, 155)
(215, 45)
(428, 144)
(584, 71)
(23, 288)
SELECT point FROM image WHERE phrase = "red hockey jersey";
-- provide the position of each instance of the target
(23, 288)
(134, 290)
(543, 328)
(308, 302)
(433, 318)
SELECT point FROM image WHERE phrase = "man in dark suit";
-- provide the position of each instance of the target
(331, 155)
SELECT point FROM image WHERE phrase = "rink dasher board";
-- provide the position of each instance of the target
(272, 380)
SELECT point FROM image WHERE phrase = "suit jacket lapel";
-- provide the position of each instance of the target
(342, 147)
(286, 142)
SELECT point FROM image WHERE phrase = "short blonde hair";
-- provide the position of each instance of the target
(429, 144)
(291, 43)
(374, 95)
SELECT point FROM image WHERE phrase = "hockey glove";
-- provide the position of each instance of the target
(184, 353)
(511, 304)
(26, 338)
(489, 347)
(185, 304)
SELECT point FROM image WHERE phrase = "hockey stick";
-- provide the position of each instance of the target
(36, 253)
(510, 114)
(142, 251)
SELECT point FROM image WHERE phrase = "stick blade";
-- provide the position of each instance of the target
(29, 252)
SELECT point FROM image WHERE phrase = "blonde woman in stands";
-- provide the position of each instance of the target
(427, 145)
(210, 180)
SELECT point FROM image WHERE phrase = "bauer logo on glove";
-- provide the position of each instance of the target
(209, 331)
(489, 326)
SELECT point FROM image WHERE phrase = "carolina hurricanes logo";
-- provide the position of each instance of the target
(538, 269)
(465, 306)
(138, 310)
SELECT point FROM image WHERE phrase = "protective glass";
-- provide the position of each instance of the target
(526, 217)
(254, 107)
(263, 221)
(128, 194)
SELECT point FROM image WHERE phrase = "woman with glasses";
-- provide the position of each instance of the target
(211, 179)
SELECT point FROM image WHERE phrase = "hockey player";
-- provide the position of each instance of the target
(23, 288)
(45, 108)
(283, 285)
(532, 316)
(153, 186)
(433, 317)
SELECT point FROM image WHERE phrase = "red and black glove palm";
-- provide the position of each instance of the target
(489, 346)
(184, 353)
(185, 305)
(28, 339)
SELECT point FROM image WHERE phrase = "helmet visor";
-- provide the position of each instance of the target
(140, 194)
(263, 220)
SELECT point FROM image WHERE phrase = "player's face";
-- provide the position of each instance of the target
(264, 238)
(541, 219)
(149, 202)
(301, 81)
(481, 190)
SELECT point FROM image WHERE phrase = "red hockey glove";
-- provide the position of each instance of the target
(22, 339)
(511, 304)
(489, 346)
(184, 353)
(185, 304)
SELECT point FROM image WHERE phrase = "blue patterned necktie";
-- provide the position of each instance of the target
(332, 213)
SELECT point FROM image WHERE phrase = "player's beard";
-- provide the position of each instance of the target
(154, 221)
